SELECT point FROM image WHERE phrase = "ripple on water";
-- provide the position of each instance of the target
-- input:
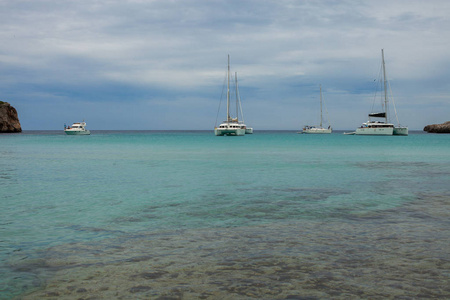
(388, 254)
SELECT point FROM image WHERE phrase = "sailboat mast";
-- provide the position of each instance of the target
(385, 86)
(237, 99)
(228, 90)
(320, 87)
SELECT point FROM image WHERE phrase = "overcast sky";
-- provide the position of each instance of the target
(161, 64)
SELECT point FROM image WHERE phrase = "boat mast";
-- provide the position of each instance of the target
(320, 86)
(237, 99)
(228, 90)
(385, 87)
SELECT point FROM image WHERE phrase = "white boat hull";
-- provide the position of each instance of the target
(77, 132)
(229, 131)
(374, 131)
(248, 130)
(400, 131)
(317, 130)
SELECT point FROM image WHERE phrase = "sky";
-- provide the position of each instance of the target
(161, 64)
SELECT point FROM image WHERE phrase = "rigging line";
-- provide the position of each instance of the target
(220, 101)
(326, 112)
(328, 118)
(393, 103)
(236, 94)
(233, 96)
(238, 97)
(377, 87)
(392, 97)
(386, 108)
(240, 106)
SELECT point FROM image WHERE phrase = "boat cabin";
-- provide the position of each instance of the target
(377, 124)
(231, 126)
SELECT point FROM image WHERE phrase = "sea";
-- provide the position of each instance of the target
(189, 215)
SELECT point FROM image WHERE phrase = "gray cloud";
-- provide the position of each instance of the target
(165, 58)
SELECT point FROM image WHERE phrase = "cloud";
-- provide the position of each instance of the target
(161, 54)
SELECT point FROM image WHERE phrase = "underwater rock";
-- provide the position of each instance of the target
(140, 288)
(438, 128)
(9, 120)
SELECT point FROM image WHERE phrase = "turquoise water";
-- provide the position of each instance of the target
(68, 203)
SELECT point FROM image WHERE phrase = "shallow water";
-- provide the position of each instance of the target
(190, 215)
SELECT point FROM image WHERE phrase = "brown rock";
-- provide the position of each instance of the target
(438, 128)
(9, 120)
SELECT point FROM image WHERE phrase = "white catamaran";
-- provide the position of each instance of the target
(372, 127)
(232, 126)
(318, 129)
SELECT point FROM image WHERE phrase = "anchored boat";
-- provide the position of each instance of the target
(77, 129)
(318, 129)
(232, 126)
(377, 127)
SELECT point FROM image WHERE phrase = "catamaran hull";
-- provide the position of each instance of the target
(317, 130)
(77, 132)
(400, 131)
(374, 131)
(221, 132)
(248, 130)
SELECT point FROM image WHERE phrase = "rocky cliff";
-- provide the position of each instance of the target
(9, 120)
(438, 128)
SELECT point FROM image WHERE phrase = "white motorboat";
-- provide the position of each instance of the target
(372, 127)
(232, 126)
(77, 129)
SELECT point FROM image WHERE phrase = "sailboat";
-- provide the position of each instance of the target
(376, 127)
(319, 129)
(232, 126)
